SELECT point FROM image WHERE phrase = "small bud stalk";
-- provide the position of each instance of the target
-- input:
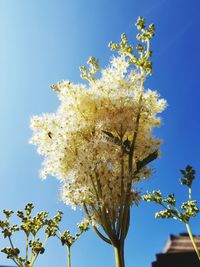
(68, 256)
(192, 240)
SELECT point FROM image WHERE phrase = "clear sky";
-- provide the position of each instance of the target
(44, 41)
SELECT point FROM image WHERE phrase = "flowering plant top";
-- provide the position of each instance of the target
(99, 141)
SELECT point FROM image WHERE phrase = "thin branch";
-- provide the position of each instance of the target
(94, 228)
(101, 235)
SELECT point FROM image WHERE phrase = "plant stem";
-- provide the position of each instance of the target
(119, 255)
(192, 240)
(190, 193)
(16, 262)
(27, 248)
(68, 256)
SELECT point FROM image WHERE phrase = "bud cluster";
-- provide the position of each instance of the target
(93, 68)
(146, 34)
(30, 225)
(68, 239)
(188, 209)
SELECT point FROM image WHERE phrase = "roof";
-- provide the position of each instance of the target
(181, 243)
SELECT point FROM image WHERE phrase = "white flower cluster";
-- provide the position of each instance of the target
(86, 143)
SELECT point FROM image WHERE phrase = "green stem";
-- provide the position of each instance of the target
(68, 256)
(190, 193)
(16, 262)
(94, 228)
(26, 248)
(11, 243)
(120, 217)
(105, 221)
(101, 235)
(192, 240)
(119, 255)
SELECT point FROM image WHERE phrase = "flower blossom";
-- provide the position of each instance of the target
(100, 141)
(81, 141)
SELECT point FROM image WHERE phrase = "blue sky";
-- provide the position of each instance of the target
(43, 42)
